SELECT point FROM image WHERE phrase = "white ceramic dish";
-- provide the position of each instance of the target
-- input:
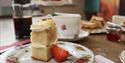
(81, 35)
(24, 54)
(67, 24)
(123, 27)
(122, 56)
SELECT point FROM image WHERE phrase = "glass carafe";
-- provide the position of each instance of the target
(22, 16)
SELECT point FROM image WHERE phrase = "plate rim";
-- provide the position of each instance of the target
(121, 56)
(5, 54)
(90, 51)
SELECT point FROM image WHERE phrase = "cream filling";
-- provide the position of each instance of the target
(38, 28)
(38, 46)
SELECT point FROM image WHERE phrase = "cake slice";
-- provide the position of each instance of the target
(46, 38)
(47, 34)
(41, 53)
(43, 35)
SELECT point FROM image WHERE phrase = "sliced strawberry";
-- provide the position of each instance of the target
(59, 54)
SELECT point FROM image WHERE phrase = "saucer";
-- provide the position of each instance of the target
(81, 35)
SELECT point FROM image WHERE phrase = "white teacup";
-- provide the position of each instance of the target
(68, 25)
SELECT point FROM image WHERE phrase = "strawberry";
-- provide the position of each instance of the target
(59, 54)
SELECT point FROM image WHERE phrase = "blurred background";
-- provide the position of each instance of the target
(104, 8)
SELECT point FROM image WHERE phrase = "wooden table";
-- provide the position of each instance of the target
(97, 43)
(101, 46)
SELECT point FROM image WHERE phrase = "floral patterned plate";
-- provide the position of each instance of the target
(122, 56)
(22, 54)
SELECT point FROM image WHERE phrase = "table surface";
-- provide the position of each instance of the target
(101, 46)
(97, 43)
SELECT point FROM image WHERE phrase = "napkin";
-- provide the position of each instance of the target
(102, 59)
(17, 43)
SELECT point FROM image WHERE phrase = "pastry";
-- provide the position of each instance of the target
(88, 25)
(94, 23)
(98, 20)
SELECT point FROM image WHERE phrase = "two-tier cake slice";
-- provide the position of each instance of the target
(43, 35)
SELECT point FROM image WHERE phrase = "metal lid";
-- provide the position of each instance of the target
(113, 28)
(22, 1)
